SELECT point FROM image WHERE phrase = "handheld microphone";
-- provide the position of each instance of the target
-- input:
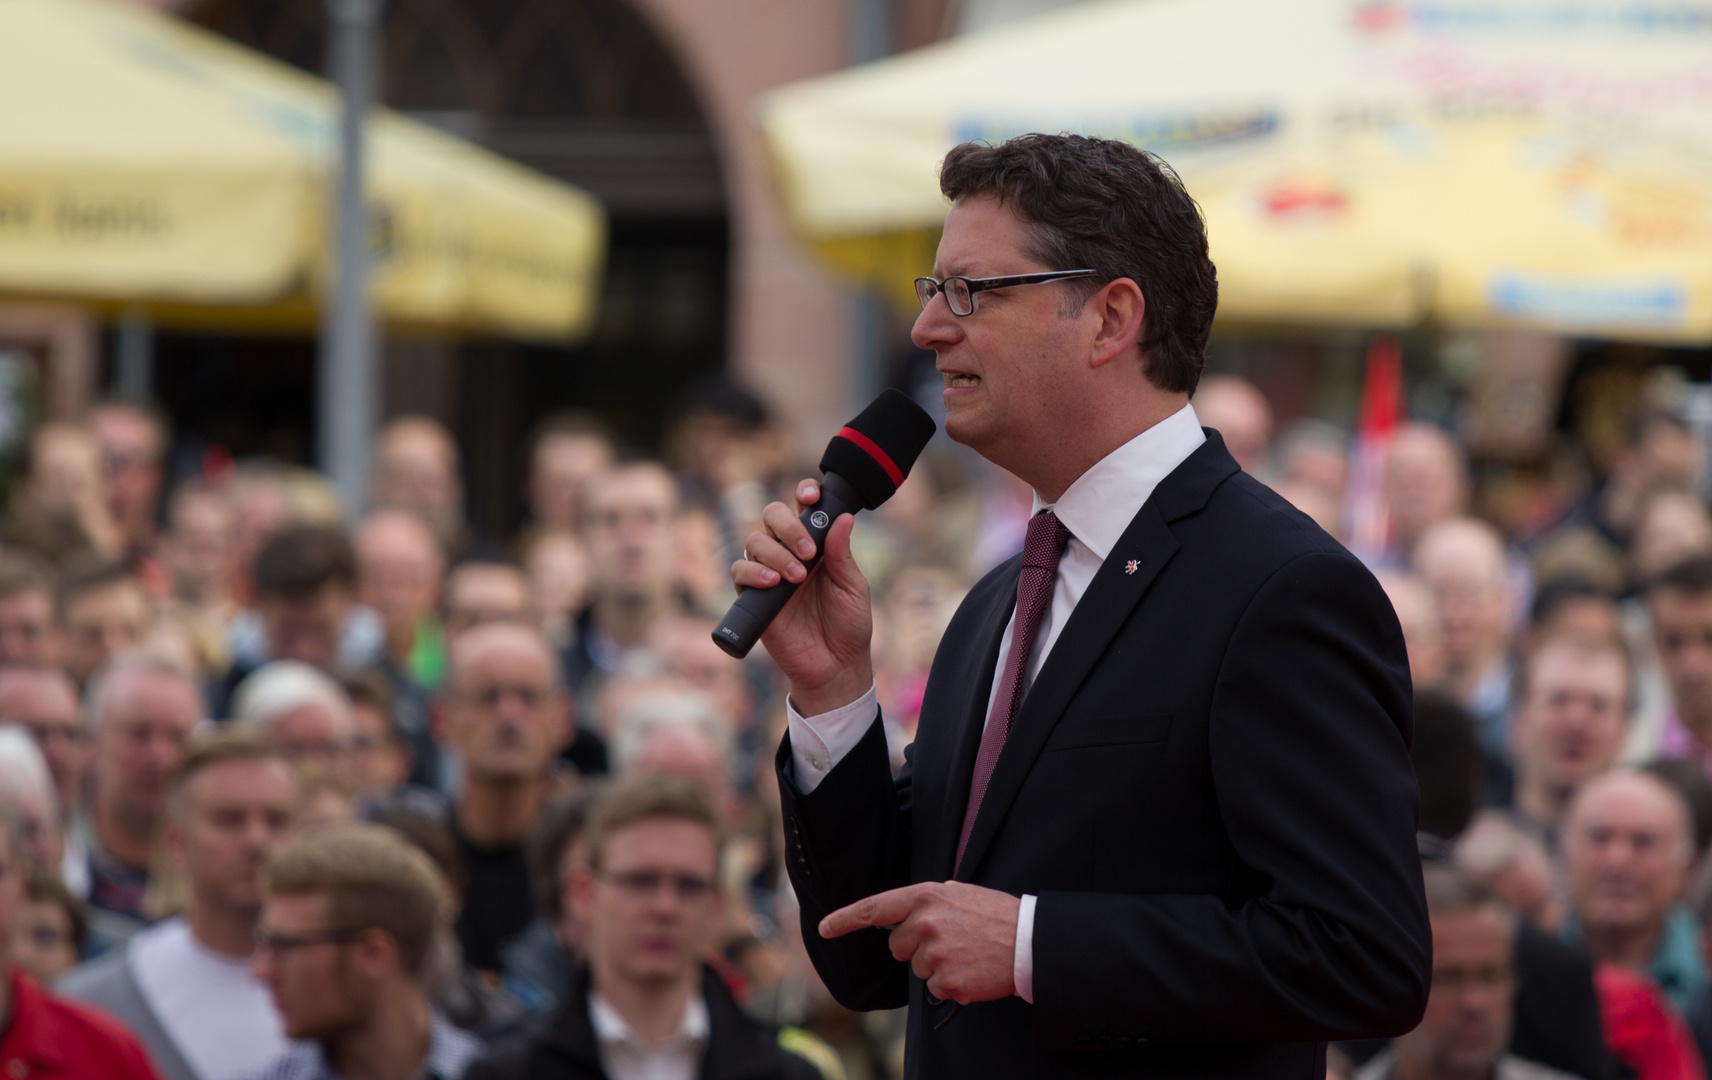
(864, 464)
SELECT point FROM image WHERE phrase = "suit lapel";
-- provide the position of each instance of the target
(1148, 544)
(979, 678)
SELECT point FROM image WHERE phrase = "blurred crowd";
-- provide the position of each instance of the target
(216, 685)
(279, 784)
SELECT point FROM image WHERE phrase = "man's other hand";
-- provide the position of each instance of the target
(820, 640)
(959, 938)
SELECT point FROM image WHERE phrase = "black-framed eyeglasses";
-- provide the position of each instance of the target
(960, 291)
(280, 944)
(645, 885)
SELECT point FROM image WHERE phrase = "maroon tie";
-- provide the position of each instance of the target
(1040, 554)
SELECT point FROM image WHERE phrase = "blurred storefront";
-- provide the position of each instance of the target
(645, 104)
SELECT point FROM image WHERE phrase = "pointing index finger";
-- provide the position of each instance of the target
(885, 909)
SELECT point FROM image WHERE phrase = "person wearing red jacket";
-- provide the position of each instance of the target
(47, 1037)
(1642, 1029)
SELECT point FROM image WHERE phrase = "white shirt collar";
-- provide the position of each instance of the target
(610, 1027)
(1100, 504)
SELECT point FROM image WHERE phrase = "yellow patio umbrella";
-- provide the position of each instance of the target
(1359, 161)
(146, 162)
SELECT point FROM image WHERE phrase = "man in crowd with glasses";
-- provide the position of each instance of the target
(646, 1006)
(43, 700)
(1159, 816)
(345, 943)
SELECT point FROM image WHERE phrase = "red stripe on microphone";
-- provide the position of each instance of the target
(881, 458)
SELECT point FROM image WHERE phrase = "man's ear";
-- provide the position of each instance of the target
(579, 891)
(376, 953)
(1121, 309)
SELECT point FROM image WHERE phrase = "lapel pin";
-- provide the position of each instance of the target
(1132, 566)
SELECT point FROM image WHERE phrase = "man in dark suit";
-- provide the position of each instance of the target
(1159, 817)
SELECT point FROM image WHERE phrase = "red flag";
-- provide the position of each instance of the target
(1367, 523)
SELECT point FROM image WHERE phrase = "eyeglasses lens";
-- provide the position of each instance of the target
(957, 294)
(925, 287)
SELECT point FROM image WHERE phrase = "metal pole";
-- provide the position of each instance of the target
(134, 374)
(870, 39)
(346, 409)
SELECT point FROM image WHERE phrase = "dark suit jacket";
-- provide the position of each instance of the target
(1557, 1010)
(1208, 787)
(561, 1045)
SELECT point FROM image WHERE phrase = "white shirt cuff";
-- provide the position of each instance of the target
(1022, 963)
(820, 742)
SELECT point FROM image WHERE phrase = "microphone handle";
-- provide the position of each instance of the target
(755, 609)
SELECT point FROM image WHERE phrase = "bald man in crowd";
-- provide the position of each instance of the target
(1628, 845)
(630, 524)
(1461, 560)
(141, 710)
(1236, 409)
(1426, 482)
(505, 715)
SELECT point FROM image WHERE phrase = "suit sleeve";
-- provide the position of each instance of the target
(847, 840)
(1326, 936)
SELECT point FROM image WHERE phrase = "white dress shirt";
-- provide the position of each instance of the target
(625, 1056)
(1097, 508)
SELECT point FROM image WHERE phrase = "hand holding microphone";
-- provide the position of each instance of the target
(822, 642)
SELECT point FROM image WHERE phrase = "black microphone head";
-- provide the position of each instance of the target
(876, 450)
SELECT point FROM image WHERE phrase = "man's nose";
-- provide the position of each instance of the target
(935, 327)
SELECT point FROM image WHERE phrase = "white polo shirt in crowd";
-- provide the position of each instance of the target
(221, 1017)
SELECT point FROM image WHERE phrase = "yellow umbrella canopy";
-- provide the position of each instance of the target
(145, 161)
(1359, 161)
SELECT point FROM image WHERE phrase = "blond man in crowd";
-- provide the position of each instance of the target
(345, 941)
(184, 984)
